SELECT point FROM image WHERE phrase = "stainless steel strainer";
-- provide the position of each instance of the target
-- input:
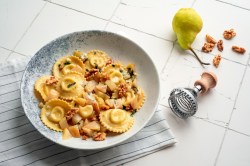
(183, 101)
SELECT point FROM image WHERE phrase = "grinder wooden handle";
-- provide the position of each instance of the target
(208, 80)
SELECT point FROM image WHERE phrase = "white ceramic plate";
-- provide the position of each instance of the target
(116, 46)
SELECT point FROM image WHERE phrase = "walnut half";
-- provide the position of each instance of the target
(220, 45)
(216, 60)
(99, 136)
(229, 34)
(208, 47)
(238, 49)
(210, 39)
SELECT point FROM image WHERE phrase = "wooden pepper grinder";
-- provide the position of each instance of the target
(183, 101)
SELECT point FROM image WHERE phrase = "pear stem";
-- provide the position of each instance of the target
(202, 63)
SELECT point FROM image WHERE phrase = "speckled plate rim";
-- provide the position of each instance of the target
(111, 144)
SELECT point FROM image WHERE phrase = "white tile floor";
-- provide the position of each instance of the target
(219, 133)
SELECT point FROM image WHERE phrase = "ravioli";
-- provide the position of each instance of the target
(70, 85)
(46, 91)
(52, 112)
(116, 120)
(66, 64)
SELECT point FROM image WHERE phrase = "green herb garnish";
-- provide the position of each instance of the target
(72, 84)
(66, 63)
(134, 111)
(94, 52)
(135, 89)
(130, 72)
(96, 65)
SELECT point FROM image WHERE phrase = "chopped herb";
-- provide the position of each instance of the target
(134, 111)
(66, 63)
(84, 59)
(135, 89)
(121, 70)
(94, 52)
(59, 65)
(130, 72)
(72, 84)
(96, 65)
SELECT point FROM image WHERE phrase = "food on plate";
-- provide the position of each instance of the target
(89, 96)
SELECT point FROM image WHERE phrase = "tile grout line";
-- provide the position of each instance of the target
(116, 8)
(110, 21)
(247, 135)
(193, 3)
(227, 3)
(142, 31)
(12, 51)
(57, 4)
(227, 128)
(166, 63)
(213, 54)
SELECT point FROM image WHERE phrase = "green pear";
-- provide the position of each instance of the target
(186, 24)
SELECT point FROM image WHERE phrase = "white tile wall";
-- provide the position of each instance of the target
(55, 21)
(241, 116)
(153, 17)
(244, 4)
(15, 17)
(235, 150)
(198, 144)
(102, 9)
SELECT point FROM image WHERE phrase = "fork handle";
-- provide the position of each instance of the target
(208, 80)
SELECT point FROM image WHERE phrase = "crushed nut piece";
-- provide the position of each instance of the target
(70, 113)
(41, 105)
(85, 137)
(238, 49)
(104, 107)
(208, 47)
(104, 77)
(110, 61)
(220, 45)
(51, 81)
(210, 39)
(93, 118)
(216, 60)
(91, 73)
(229, 34)
(99, 136)
(122, 89)
(127, 107)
